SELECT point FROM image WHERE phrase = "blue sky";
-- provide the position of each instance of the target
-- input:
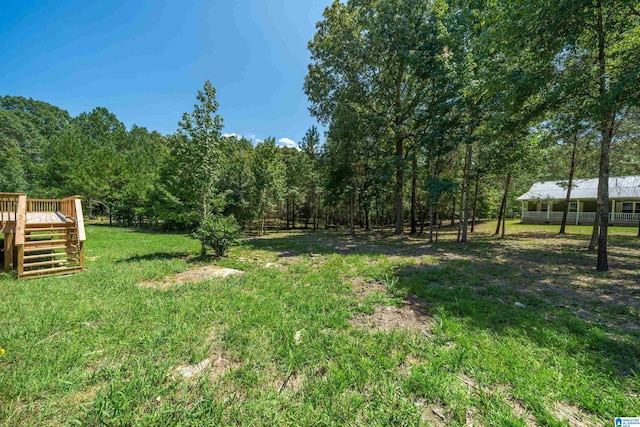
(146, 60)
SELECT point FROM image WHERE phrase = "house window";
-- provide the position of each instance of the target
(627, 207)
(573, 207)
(544, 207)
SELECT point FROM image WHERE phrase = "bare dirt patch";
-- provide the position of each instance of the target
(516, 407)
(214, 366)
(86, 395)
(364, 289)
(290, 383)
(194, 275)
(411, 316)
(574, 416)
(409, 362)
(431, 414)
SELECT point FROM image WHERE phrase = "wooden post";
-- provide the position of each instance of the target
(21, 222)
(81, 236)
(577, 211)
(20, 260)
(81, 255)
(8, 252)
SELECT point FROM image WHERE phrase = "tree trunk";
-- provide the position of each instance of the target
(293, 214)
(593, 242)
(421, 216)
(437, 225)
(431, 219)
(475, 203)
(352, 229)
(205, 216)
(606, 132)
(453, 211)
(467, 185)
(504, 210)
(316, 214)
(503, 205)
(399, 219)
(414, 180)
(499, 217)
(366, 220)
(570, 185)
(459, 234)
(287, 214)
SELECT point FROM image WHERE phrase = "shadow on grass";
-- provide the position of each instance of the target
(541, 291)
(553, 318)
(156, 256)
(326, 243)
(552, 275)
(188, 257)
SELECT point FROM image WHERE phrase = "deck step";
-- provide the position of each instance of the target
(49, 255)
(48, 227)
(47, 248)
(50, 271)
(45, 243)
(50, 262)
(40, 235)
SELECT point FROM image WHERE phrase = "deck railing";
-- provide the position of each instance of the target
(43, 205)
(71, 207)
(8, 206)
(68, 207)
(583, 216)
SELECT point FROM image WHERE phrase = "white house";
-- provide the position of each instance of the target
(545, 201)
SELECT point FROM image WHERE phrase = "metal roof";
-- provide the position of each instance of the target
(620, 187)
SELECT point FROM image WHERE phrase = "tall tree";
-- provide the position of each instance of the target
(237, 180)
(375, 57)
(269, 173)
(197, 152)
(592, 50)
(310, 146)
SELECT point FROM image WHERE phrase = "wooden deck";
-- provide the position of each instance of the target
(37, 217)
(42, 237)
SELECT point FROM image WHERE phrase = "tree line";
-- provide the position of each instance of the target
(436, 98)
(437, 112)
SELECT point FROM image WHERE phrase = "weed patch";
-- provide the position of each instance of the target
(337, 330)
(190, 276)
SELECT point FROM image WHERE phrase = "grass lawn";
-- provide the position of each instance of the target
(324, 329)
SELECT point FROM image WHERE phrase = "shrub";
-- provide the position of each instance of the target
(218, 233)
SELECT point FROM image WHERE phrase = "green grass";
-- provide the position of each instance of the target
(95, 348)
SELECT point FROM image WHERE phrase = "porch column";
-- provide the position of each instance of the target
(548, 209)
(613, 210)
(577, 211)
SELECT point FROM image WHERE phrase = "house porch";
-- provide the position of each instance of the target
(581, 212)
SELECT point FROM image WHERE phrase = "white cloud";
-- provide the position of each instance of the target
(232, 135)
(286, 142)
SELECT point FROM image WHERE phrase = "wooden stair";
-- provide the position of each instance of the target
(50, 249)
(42, 237)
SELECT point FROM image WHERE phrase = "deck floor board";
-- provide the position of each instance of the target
(37, 217)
